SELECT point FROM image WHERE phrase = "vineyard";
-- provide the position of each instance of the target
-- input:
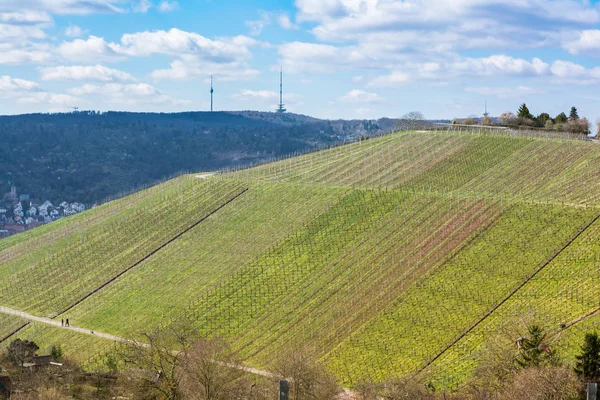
(409, 253)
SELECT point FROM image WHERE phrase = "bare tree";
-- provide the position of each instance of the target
(213, 372)
(551, 382)
(411, 121)
(509, 119)
(308, 379)
(153, 365)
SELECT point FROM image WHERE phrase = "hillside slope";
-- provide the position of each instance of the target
(408, 253)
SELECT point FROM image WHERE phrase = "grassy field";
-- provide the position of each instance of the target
(406, 253)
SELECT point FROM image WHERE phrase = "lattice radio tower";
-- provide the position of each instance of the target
(211, 93)
(281, 109)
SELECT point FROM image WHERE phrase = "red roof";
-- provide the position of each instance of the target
(18, 228)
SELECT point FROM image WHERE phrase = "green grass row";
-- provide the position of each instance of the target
(162, 287)
(53, 283)
(420, 324)
(555, 299)
(501, 166)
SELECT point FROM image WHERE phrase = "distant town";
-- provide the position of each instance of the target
(19, 212)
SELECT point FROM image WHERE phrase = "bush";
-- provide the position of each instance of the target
(544, 383)
(509, 119)
(56, 352)
(308, 379)
(581, 126)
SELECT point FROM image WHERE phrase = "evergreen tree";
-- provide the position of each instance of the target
(573, 114)
(524, 112)
(534, 351)
(561, 118)
(588, 362)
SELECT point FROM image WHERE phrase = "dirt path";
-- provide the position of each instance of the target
(48, 321)
(345, 395)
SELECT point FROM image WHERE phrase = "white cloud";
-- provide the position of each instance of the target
(65, 7)
(500, 65)
(569, 72)
(92, 48)
(587, 42)
(360, 96)
(28, 92)
(49, 98)
(284, 21)
(136, 89)
(142, 6)
(27, 56)
(74, 31)
(134, 94)
(167, 6)
(176, 42)
(20, 33)
(247, 95)
(460, 23)
(193, 67)
(395, 78)
(504, 92)
(357, 78)
(26, 16)
(89, 73)
(269, 97)
(8, 84)
(256, 26)
(312, 57)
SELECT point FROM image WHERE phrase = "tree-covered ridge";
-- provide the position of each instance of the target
(89, 156)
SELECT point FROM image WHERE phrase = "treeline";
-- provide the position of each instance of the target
(208, 369)
(89, 156)
(525, 119)
(561, 122)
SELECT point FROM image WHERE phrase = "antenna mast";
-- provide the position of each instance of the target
(281, 109)
(211, 93)
(486, 113)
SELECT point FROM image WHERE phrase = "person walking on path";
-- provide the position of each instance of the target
(62, 322)
(67, 322)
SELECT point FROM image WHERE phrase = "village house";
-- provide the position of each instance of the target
(32, 211)
(18, 210)
(77, 207)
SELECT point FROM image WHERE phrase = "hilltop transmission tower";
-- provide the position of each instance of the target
(486, 113)
(211, 93)
(281, 109)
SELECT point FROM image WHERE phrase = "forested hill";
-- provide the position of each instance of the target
(89, 156)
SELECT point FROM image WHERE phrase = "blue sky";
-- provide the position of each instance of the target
(341, 58)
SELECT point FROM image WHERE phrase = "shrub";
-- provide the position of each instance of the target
(56, 352)
(542, 383)
(509, 119)
(308, 379)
